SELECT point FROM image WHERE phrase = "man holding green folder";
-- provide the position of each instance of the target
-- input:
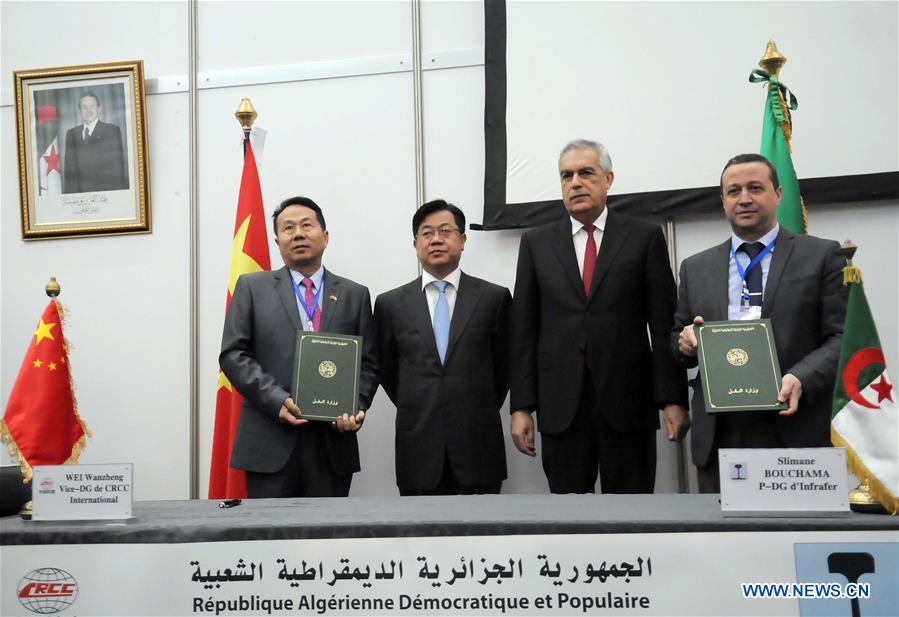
(764, 271)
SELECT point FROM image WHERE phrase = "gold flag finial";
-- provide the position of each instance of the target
(773, 60)
(851, 273)
(52, 287)
(246, 114)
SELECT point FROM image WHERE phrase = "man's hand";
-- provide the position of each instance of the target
(790, 392)
(350, 423)
(290, 413)
(677, 421)
(522, 429)
(686, 342)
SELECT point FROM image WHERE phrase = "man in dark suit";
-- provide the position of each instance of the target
(285, 455)
(587, 289)
(764, 271)
(443, 360)
(94, 157)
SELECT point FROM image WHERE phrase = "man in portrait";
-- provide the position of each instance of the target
(94, 158)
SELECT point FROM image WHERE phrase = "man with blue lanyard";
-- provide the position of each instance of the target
(283, 454)
(764, 271)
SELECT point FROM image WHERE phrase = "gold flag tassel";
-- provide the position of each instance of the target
(875, 487)
(79, 445)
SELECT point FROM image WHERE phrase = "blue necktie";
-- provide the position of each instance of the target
(754, 276)
(441, 319)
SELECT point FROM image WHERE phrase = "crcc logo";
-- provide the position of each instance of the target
(47, 590)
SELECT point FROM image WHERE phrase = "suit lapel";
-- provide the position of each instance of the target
(284, 285)
(467, 297)
(613, 237)
(779, 258)
(329, 299)
(718, 282)
(563, 247)
(416, 307)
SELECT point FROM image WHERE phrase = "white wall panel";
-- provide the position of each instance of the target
(664, 86)
(248, 34)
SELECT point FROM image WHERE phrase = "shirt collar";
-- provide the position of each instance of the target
(316, 278)
(452, 278)
(92, 126)
(599, 223)
(768, 238)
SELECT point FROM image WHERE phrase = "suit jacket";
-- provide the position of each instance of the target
(97, 163)
(451, 407)
(258, 349)
(557, 329)
(805, 299)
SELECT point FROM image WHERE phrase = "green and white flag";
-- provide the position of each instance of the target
(777, 129)
(865, 408)
(47, 142)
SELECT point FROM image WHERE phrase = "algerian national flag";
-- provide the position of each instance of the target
(47, 142)
(865, 406)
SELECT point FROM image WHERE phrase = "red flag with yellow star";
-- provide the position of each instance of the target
(249, 253)
(41, 424)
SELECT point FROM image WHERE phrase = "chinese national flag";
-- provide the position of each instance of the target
(41, 423)
(249, 253)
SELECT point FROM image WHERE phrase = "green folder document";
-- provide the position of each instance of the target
(738, 366)
(326, 375)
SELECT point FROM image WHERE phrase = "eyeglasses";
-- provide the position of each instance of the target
(428, 234)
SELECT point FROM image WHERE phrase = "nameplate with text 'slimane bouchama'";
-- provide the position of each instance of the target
(81, 492)
(738, 366)
(326, 375)
(769, 481)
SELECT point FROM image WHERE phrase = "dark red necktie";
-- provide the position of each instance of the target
(589, 258)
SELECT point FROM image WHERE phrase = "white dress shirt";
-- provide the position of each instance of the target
(734, 281)
(579, 236)
(89, 128)
(432, 294)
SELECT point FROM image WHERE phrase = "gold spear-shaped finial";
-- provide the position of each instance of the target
(246, 114)
(52, 287)
(773, 60)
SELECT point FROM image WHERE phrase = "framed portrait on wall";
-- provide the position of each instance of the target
(82, 150)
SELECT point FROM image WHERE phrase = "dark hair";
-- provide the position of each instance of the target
(89, 94)
(740, 159)
(437, 205)
(297, 201)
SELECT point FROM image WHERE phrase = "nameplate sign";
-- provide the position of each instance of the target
(770, 481)
(81, 492)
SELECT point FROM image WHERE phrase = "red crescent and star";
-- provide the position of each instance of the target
(859, 361)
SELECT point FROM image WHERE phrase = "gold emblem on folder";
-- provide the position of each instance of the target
(327, 369)
(737, 357)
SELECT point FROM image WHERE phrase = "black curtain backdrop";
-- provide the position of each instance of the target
(655, 204)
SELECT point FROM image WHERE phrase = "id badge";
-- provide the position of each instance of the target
(743, 312)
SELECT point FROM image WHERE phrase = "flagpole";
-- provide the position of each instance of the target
(860, 499)
(53, 290)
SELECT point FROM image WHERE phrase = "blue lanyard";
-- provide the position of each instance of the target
(310, 310)
(752, 264)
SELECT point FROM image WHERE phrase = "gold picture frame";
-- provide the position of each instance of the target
(82, 150)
